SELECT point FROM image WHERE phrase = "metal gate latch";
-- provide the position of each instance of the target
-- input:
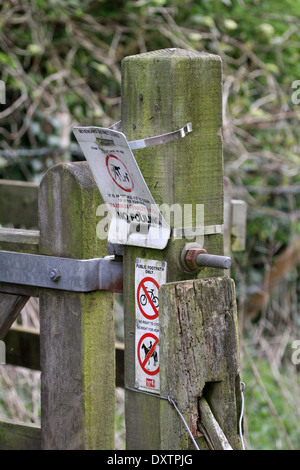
(77, 275)
(192, 258)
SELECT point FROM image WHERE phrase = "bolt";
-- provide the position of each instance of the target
(193, 257)
(213, 261)
(55, 274)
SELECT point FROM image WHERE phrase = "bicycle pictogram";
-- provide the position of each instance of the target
(144, 299)
(119, 173)
(147, 297)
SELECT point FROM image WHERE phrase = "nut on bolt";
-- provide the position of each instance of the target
(191, 258)
(55, 274)
(188, 257)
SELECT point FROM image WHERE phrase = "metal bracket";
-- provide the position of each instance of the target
(161, 139)
(156, 140)
(69, 274)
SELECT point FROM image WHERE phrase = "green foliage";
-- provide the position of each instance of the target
(271, 417)
(60, 62)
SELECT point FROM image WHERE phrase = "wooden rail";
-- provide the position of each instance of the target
(19, 203)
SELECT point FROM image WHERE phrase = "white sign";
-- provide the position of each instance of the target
(150, 275)
(136, 219)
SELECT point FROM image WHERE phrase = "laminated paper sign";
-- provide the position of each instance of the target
(135, 217)
(150, 275)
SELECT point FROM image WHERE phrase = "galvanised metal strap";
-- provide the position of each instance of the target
(161, 139)
(69, 274)
(156, 140)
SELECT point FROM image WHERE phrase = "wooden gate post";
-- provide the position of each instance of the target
(161, 92)
(199, 356)
(77, 329)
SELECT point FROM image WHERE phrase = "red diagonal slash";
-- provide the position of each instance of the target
(149, 316)
(149, 299)
(147, 358)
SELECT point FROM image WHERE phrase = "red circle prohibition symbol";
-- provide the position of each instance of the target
(128, 190)
(149, 354)
(147, 296)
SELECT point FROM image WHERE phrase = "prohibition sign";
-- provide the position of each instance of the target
(143, 292)
(149, 353)
(119, 173)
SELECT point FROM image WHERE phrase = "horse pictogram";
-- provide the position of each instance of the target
(148, 356)
(148, 344)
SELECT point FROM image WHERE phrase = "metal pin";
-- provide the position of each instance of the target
(213, 261)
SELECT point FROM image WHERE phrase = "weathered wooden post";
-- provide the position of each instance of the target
(161, 92)
(77, 329)
(200, 361)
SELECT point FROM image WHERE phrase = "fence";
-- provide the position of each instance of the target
(199, 399)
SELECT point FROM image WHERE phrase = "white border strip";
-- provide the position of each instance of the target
(202, 230)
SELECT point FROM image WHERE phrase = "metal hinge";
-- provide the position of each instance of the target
(69, 274)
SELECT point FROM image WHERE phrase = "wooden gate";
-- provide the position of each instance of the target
(199, 401)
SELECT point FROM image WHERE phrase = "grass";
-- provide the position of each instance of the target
(20, 396)
(272, 404)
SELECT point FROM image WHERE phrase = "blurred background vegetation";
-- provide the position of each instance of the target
(60, 62)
